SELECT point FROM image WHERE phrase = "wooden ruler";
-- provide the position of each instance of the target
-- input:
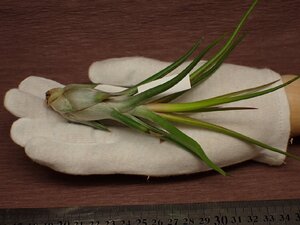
(281, 212)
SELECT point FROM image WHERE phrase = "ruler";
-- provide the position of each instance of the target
(281, 212)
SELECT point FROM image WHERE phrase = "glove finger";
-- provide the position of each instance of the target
(25, 129)
(38, 86)
(124, 71)
(110, 158)
(23, 104)
(128, 157)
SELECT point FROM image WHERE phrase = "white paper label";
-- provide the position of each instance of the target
(109, 88)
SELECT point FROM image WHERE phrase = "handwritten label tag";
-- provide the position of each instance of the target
(109, 88)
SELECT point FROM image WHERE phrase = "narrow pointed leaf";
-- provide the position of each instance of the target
(229, 41)
(200, 76)
(128, 121)
(133, 90)
(173, 66)
(226, 48)
(223, 130)
(181, 137)
(192, 106)
(214, 109)
(146, 95)
(137, 124)
(247, 91)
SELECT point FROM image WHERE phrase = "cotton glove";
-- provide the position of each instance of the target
(69, 148)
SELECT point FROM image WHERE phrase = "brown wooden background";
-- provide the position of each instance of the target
(59, 39)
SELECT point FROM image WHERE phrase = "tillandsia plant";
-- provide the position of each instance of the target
(153, 115)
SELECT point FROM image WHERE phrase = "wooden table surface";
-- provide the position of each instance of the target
(60, 39)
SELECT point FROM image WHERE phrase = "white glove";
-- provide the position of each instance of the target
(76, 149)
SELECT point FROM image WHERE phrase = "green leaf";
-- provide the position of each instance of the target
(200, 77)
(146, 95)
(178, 135)
(216, 60)
(223, 130)
(231, 97)
(214, 109)
(229, 41)
(173, 66)
(137, 124)
(133, 90)
(128, 121)
(142, 97)
(248, 90)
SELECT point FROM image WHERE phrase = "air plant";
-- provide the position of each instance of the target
(152, 115)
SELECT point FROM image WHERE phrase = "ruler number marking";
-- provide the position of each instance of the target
(204, 220)
(172, 221)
